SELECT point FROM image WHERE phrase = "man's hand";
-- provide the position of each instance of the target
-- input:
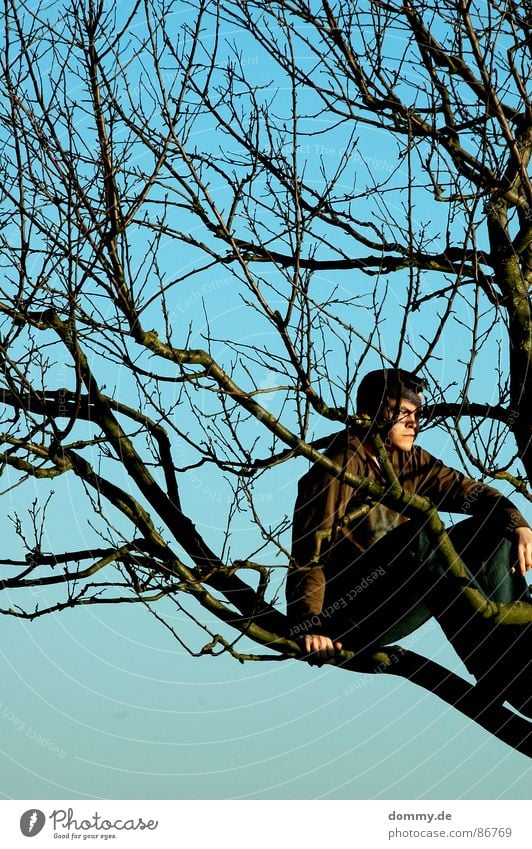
(319, 648)
(524, 549)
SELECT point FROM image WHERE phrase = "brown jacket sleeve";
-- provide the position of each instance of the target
(453, 492)
(321, 502)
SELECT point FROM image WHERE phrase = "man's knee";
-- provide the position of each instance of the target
(480, 539)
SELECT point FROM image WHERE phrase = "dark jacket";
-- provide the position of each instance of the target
(334, 522)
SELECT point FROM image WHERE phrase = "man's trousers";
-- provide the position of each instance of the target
(408, 581)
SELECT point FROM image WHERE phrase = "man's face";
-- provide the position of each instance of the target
(403, 433)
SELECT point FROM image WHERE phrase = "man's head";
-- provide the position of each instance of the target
(393, 395)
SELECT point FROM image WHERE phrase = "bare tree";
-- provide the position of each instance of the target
(171, 164)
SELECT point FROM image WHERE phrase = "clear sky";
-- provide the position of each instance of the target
(103, 702)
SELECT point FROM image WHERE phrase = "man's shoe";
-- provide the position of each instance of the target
(502, 665)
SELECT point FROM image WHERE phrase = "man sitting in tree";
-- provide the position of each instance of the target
(365, 575)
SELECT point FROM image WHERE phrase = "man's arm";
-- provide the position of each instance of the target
(452, 492)
(321, 502)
